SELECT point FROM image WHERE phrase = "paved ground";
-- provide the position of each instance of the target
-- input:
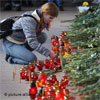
(11, 90)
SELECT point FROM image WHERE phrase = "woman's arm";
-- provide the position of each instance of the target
(29, 28)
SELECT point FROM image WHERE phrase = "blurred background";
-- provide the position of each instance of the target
(18, 5)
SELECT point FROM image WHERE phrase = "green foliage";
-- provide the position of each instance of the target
(84, 67)
(86, 29)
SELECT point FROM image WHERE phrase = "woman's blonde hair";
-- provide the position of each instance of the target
(49, 8)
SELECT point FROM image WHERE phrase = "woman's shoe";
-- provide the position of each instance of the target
(8, 58)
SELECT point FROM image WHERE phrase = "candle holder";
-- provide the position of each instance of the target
(32, 67)
(52, 92)
(26, 76)
(35, 76)
(40, 65)
(47, 64)
(42, 77)
(38, 83)
(33, 90)
(48, 88)
(22, 73)
(53, 79)
(59, 95)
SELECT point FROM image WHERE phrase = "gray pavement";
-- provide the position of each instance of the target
(13, 90)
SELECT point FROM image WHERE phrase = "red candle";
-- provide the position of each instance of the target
(22, 74)
(32, 76)
(39, 98)
(40, 65)
(58, 62)
(63, 34)
(65, 77)
(53, 79)
(32, 68)
(52, 92)
(61, 86)
(52, 60)
(59, 95)
(47, 64)
(48, 82)
(48, 88)
(53, 48)
(42, 77)
(65, 82)
(33, 90)
(56, 85)
(53, 42)
(35, 76)
(26, 76)
(47, 94)
(28, 68)
(53, 67)
(60, 39)
(38, 83)
(57, 47)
